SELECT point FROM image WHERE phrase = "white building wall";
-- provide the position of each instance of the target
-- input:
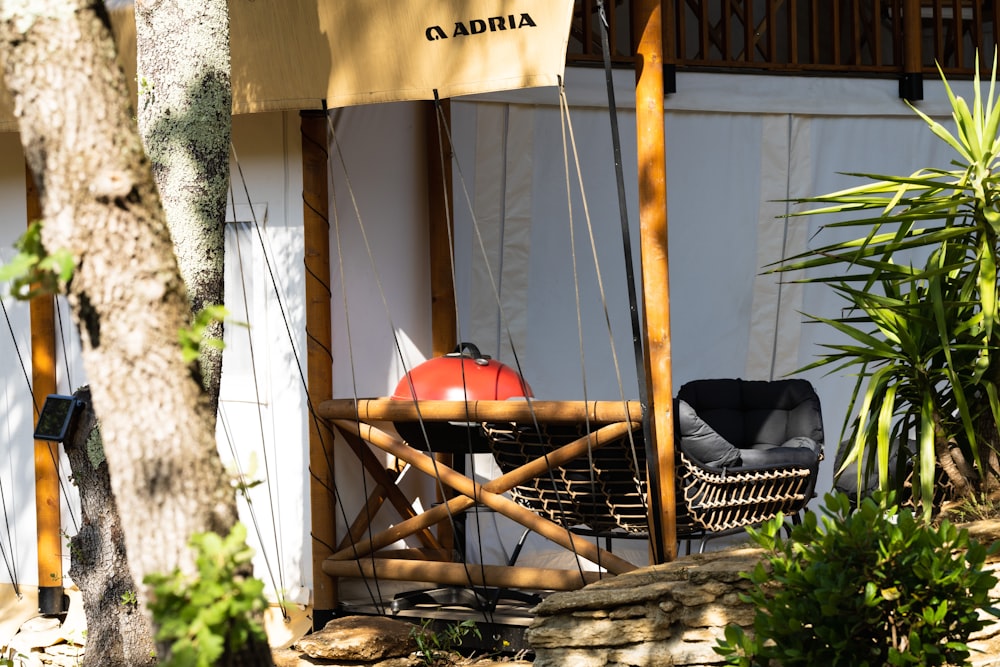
(734, 145)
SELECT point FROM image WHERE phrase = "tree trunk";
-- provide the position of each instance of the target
(185, 120)
(127, 296)
(118, 633)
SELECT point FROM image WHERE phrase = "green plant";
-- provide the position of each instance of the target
(193, 338)
(129, 598)
(432, 646)
(213, 612)
(34, 271)
(920, 281)
(10, 657)
(976, 507)
(876, 586)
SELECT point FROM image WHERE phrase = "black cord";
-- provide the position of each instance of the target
(656, 528)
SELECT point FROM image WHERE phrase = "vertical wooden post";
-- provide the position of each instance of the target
(992, 16)
(444, 327)
(444, 318)
(911, 81)
(655, 280)
(669, 46)
(43, 382)
(319, 357)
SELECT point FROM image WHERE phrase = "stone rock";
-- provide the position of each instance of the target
(289, 657)
(67, 650)
(672, 615)
(41, 624)
(359, 639)
(568, 631)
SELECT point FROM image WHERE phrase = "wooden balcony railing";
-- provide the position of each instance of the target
(868, 37)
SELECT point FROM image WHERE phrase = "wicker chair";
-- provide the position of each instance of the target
(605, 493)
(776, 427)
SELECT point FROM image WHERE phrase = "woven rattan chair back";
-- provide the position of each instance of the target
(605, 492)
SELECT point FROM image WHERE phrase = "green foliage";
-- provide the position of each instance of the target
(920, 280)
(34, 271)
(434, 645)
(244, 480)
(209, 614)
(193, 338)
(95, 448)
(876, 586)
(11, 658)
(129, 598)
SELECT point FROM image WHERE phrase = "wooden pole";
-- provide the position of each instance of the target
(382, 477)
(548, 412)
(319, 358)
(484, 496)
(444, 317)
(655, 278)
(43, 382)
(911, 82)
(534, 468)
(460, 574)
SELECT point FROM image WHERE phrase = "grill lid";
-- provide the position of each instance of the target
(465, 374)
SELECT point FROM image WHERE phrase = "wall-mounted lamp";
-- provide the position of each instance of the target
(57, 417)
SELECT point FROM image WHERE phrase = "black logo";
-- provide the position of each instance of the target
(481, 26)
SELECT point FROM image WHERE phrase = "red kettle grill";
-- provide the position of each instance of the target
(465, 374)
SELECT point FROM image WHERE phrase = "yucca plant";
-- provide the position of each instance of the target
(922, 333)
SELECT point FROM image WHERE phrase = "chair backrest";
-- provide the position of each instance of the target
(604, 490)
(752, 412)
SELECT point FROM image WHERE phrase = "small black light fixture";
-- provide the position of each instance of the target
(911, 86)
(57, 417)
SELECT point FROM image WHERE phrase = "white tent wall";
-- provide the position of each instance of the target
(263, 417)
(19, 574)
(17, 472)
(270, 444)
(379, 282)
(736, 146)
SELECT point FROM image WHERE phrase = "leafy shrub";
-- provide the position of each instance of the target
(206, 615)
(870, 587)
(433, 646)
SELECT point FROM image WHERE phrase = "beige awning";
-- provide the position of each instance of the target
(294, 54)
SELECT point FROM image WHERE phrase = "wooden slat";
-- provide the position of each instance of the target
(793, 32)
(704, 42)
(384, 480)
(911, 35)
(651, 167)
(814, 30)
(835, 20)
(551, 412)
(460, 574)
(444, 313)
(749, 30)
(845, 36)
(856, 32)
(319, 359)
(501, 484)
(42, 316)
(771, 20)
(482, 495)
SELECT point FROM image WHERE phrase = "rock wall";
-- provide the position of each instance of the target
(667, 615)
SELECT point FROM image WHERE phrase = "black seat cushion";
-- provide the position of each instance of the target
(777, 457)
(756, 413)
(701, 442)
